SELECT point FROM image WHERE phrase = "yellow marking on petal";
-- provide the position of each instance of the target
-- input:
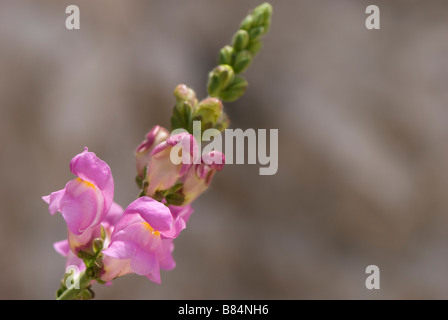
(87, 183)
(150, 229)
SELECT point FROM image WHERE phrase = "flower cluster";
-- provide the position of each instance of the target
(140, 238)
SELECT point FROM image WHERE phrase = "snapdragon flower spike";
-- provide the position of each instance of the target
(198, 178)
(163, 171)
(142, 240)
(154, 137)
(86, 200)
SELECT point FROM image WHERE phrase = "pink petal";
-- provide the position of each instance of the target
(165, 256)
(155, 213)
(54, 200)
(62, 247)
(143, 262)
(89, 167)
(114, 214)
(154, 277)
(180, 216)
(120, 249)
(81, 206)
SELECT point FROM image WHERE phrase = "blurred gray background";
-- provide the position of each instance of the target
(363, 143)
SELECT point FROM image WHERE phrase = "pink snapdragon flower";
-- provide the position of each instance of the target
(199, 176)
(142, 240)
(85, 201)
(153, 138)
(162, 171)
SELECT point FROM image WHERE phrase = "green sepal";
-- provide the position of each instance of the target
(254, 47)
(98, 244)
(240, 40)
(247, 22)
(235, 90)
(226, 55)
(219, 78)
(176, 199)
(181, 116)
(242, 61)
(139, 181)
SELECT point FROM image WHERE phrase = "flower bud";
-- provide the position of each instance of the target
(235, 90)
(198, 178)
(183, 93)
(256, 33)
(154, 137)
(219, 78)
(226, 55)
(254, 47)
(242, 61)
(246, 24)
(164, 167)
(208, 111)
(262, 15)
(240, 40)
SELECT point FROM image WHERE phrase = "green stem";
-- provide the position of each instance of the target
(74, 294)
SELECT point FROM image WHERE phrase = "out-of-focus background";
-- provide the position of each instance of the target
(363, 143)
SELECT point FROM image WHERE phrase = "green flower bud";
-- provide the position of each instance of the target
(219, 78)
(254, 47)
(235, 90)
(208, 111)
(242, 61)
(256, 33)
(183, 93)
(226, 55)
(240, 40)
(262, 14)
(246, 24)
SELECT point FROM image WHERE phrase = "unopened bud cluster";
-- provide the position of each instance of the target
(223, 80)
